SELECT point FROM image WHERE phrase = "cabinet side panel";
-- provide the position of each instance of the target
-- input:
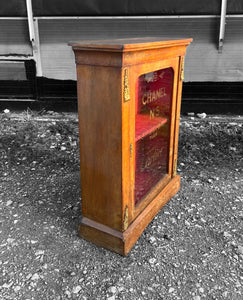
(99, 104)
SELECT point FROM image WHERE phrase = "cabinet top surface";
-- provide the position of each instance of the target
(131, 44)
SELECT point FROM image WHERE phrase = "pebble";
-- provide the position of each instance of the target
(32, 284)
(121, 288)
(10, 241)
(7, 286)
(9, 202)
(240, 249)
(227, 235)
(17, 288)
(112, 289)
(171, 290)
(237, 284)
(35, 277)
(28, 276)
(202, 115)
(225, 294)
(68, 294)
(173, 220)
(77, 289)
(39, 252)
(152, 239)
(196, 297)
(152, 261)
(187, 223)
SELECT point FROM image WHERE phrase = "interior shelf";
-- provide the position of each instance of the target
(146, 125)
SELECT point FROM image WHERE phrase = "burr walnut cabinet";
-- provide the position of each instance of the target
(129, 96)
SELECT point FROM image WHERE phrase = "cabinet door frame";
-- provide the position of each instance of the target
(134, 72)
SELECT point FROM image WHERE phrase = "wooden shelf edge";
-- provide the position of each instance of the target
(123, 242)
(154, 124)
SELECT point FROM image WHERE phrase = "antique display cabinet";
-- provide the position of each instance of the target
(129, 95)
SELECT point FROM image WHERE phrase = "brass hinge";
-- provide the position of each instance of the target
(131, 150)
(182, 68)
(175, 167)
(125, 220)
(126, 91)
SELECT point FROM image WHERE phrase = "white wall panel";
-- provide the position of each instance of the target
(203, 62)
(14, 37)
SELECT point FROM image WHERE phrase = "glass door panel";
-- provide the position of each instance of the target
(153, 110)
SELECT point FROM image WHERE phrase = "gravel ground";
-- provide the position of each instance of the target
(193, 249)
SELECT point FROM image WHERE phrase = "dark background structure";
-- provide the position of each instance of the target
(118, 7)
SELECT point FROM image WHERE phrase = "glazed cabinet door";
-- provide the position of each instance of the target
(154, 106)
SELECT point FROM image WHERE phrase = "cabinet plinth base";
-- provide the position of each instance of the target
(122, 242)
